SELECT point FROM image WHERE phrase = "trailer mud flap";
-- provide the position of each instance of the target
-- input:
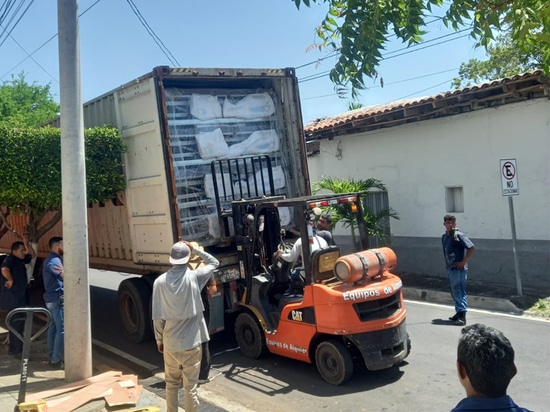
(382, 349)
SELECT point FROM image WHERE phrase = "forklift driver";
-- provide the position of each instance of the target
(296, 283)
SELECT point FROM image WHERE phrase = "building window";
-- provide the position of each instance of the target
(454, 199)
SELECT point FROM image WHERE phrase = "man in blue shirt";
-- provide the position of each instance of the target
(485, 365)
(458, 250)
(53, 275)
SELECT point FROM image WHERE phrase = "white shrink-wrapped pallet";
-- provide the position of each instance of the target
(205, 107)
(252, 106)
(212, 145)
(259, 142)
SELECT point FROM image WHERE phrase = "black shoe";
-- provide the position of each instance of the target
(455, 317)
(461, 319)
(56, 365)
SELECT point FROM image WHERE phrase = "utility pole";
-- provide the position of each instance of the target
(78, 342)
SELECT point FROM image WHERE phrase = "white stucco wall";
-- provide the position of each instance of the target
(417, 161)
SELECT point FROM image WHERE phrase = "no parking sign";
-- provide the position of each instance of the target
(509, 177)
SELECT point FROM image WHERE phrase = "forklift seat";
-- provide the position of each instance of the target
(323, 261)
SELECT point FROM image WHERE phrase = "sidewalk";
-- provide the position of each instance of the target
(42, 377)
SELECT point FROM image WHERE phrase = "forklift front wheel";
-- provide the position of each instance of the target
(334, 362)
(250, 336)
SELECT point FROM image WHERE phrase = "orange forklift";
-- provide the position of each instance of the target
(348, 308)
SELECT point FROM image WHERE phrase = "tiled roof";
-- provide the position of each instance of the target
(495, 93)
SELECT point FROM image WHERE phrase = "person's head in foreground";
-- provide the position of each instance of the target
(485, 361)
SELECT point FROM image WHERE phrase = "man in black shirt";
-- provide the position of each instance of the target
(13, 290)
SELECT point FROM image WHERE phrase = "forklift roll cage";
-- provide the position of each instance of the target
(257, 228)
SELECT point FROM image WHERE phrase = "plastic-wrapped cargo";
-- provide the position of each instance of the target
(248, 127)
(252, 106)
(205, 107)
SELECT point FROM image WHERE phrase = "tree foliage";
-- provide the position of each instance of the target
(342, 213)
(30, 176)
(359, 30)
(504, 59)
(23, 104)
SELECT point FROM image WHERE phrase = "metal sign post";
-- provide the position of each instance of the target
(510, 188)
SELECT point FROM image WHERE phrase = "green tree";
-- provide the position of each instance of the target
(342, 213)
(504, 59)
(23, 104)
(30, 176)
(359, 30)
(353, 105)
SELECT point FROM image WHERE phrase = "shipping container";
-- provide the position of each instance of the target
(196, 140)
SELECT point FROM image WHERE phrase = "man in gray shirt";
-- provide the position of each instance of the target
(179, 323)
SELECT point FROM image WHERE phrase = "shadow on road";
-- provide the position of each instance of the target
(444, 322)
(272, 375)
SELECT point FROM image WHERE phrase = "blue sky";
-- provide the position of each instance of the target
(116, 48)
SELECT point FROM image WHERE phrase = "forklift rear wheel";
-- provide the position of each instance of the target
(334, 362)
(250, 336)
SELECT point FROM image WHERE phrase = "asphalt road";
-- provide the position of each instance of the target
(425, 382)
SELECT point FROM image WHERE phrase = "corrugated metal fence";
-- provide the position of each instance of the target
(375, 202)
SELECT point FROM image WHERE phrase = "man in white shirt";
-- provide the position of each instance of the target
(179, 323)
(292, 256)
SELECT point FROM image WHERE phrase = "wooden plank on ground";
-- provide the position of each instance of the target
(125, 391)
(82, 396)
(72, 386)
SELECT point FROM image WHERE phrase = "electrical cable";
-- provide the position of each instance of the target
(6, 7)
(391, 83)
(427, 88)
(32, 58)
(335, 53)
(408, 51)
(153, 35)
(42, 45)
(16, 23)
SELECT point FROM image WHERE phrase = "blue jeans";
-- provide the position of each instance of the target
(296, 285)
(56, 331)
(457, 283)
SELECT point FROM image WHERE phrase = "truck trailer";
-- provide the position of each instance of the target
(181, 127)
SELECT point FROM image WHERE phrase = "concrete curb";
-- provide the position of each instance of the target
(139, 366)
(477, 302)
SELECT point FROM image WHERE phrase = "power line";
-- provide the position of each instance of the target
(428, 46)
(11, 19)
(153, 35)
(392, 35)
(32, 58)
(428, 88)
(6, 7)
(29, 55)
(408, 50)
(318, 60)
(416, 46)
(313, 76)
(391, 83)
